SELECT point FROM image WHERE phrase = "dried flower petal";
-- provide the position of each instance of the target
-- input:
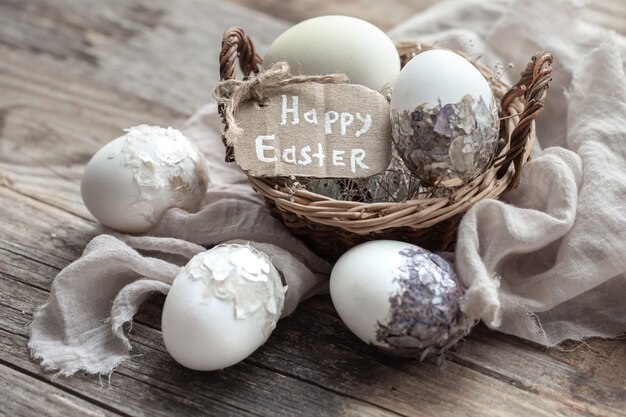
(246, 276)
(425, 314)
(445, 142)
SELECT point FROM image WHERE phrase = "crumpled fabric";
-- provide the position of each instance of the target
(81, 327)
(548, 262)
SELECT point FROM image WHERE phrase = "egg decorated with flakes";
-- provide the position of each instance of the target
(133, 180)
(399, 298)
(222, 306)
(444, 118)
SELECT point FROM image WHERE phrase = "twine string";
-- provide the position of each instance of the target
(231, 93)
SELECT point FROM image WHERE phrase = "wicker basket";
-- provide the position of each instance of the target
(330, 227)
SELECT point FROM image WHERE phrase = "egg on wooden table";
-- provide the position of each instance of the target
(131, 181)
(399, 298)
(337, 44)
(222, 306)
(444, 118)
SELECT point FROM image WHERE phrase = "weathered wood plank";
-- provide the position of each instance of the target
(595, 359)
(32, 397)
(72, 113)
(51, 124)
(591, 380)
(610, 14)
(133, 46)
(509, 390)
(125, 394)
(384, 14)
(534, 368)
(86, 82)
(48, 237)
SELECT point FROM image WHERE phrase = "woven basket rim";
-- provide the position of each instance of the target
(523, 102)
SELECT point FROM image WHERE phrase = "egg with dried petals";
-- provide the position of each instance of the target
(131, 181)
(222, 306)
(398, 297)
(444, 118)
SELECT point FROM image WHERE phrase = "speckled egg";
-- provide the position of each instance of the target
(131, 181)
(444, 118)
(398, 297)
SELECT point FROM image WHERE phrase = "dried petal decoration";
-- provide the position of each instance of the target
(174, 164)
(244, 275)
(425, 314)
(395, 184)
(448, 144)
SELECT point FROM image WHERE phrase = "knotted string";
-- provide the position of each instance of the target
(231, 93)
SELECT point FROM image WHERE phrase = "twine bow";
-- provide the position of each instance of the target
(231, 93)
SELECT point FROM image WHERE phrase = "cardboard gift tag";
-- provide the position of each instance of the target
(315, 130)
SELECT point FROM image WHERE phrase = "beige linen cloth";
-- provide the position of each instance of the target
(547, 263)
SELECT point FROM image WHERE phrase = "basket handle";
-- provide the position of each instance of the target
(236, 47)
(533, 86)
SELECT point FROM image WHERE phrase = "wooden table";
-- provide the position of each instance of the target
(72, 75)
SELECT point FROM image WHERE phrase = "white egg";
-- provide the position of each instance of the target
(131, 181)
(438, 76)
(222, 306)
(338, 44)
(444, 118)
(398, 297)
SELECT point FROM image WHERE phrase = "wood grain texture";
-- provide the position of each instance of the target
(51, 401)
(384, 14)
(72, 75)
(610, 14)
